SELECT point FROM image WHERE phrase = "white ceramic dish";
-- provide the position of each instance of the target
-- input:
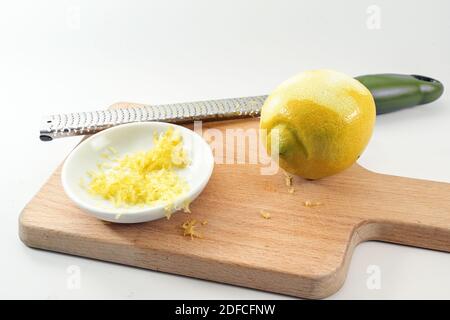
(125, 139)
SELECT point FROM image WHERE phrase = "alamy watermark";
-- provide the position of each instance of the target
(373, 20)
(73, 17)
(242, 146)
(73, 281)
(373, 282)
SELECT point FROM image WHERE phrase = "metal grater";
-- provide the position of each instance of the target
(81, 123)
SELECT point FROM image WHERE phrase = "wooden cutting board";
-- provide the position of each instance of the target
(300, 251)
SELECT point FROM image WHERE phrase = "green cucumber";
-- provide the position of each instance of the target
(393, 92)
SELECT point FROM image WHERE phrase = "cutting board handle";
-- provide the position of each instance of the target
(409, 211)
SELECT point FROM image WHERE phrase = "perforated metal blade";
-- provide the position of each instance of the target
(81, 123)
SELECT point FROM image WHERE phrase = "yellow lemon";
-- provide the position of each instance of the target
(322, 121)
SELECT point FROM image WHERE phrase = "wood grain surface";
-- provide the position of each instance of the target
(300, 251)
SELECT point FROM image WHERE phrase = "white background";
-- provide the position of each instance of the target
(61, 56)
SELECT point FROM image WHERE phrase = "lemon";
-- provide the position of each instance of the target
(322, 120)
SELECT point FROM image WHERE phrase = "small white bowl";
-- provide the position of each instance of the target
(129, 138)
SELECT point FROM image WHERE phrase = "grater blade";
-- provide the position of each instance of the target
(81, 123)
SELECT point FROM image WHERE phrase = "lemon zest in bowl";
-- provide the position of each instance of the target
(112, 150)
(144, 177)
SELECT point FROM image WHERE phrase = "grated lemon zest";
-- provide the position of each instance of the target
(185, 206)
(105, 155)
(311, 204)
(288, 179)
(265, 214)
(112, 150)
(189, 229)
(145, 177)
(168, 209)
